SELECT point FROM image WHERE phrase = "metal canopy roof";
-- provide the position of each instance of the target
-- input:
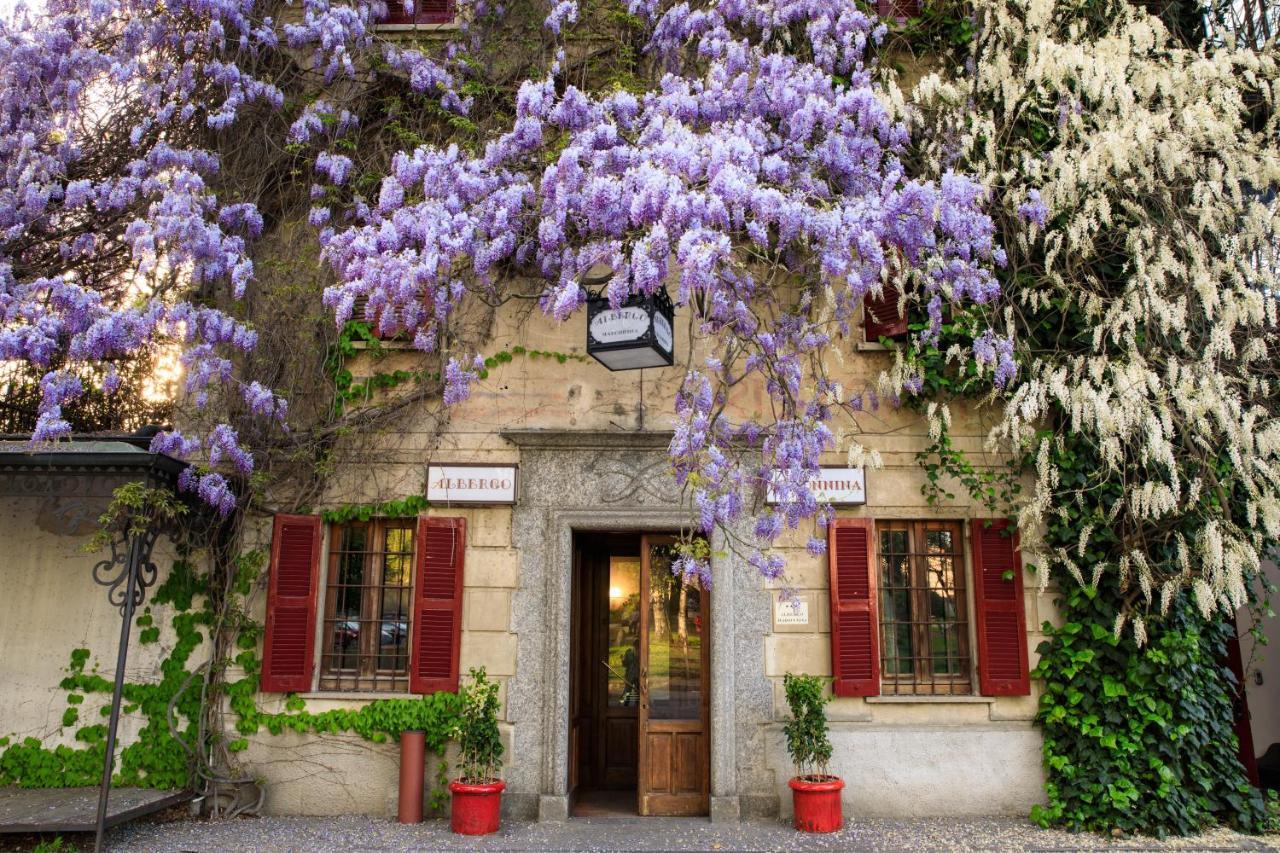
(124, 453)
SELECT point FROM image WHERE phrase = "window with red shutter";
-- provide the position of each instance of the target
(883, 316)
(1000, 619)
(855, 652)
(289, 638)
(437, 605)
(358, 313)
(899, 10)
(424, 12)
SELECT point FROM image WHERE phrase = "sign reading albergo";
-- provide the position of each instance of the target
(471, 484)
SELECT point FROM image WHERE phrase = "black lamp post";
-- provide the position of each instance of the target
(636, 334)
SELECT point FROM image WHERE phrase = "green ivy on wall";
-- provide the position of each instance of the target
(1140, 739)
(356, 336)
(158, 759)
(1136, 739)
(399, 508)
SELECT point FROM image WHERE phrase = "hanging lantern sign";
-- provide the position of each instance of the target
(636, 334)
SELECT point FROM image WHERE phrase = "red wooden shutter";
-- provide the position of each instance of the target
(290, 635)
(855, 643)
(424, 12)
(437, 605)
(358, 313)
(899, 10)
(882, 317)
(1000, 619)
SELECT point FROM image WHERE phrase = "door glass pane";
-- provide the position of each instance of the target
(623, 662)
(675, 641)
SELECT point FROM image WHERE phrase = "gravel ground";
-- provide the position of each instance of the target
(350, 833)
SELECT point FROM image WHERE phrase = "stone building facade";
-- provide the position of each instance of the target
(928, 719)
(590, 449)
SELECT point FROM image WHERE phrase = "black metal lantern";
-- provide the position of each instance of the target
(636, 334)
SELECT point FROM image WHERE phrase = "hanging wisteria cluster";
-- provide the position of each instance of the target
(759, 178)
(108, 213)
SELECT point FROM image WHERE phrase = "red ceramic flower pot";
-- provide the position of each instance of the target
(476, 807)
(817, 803)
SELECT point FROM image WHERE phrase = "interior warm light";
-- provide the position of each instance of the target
(615, 592)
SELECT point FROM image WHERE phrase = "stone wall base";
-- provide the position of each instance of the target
(918, 771)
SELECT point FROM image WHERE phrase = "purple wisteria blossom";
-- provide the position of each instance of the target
(1034, 210)
(752, 146)
(760, 180)
(177, 68)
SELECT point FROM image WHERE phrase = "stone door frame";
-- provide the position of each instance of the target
(542, 530)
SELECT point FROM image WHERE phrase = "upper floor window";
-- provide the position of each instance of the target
(424, 12)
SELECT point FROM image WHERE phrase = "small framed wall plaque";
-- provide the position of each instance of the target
(478, 485)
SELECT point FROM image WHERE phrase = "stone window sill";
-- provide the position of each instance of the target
(424, 28)
(384, 345)
(931, 700)
(354, 696)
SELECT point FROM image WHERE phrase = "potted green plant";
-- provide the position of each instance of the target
(815, 793)
(477, 792)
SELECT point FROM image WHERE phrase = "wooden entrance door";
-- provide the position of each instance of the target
(675, 661)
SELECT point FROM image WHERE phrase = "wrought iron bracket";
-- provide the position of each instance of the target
(113, 572)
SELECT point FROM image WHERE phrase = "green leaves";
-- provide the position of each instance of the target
(401, 508)
(806, 732)
(1138, 739)
(479, 741)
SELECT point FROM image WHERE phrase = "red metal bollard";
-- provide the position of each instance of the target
(413, 757)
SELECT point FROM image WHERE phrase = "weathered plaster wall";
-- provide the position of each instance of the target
(52, 606)
(963, 766)
(343, 773)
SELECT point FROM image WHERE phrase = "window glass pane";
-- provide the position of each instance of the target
(623, 663)
(395, 569)
(945, 643)
(400, 540)
(942, 599)
(393, 641)
(393, 626)
(675, 641)
(369, 593)
(895, 595)
(348, 594)
(923, 629)
(893, 542)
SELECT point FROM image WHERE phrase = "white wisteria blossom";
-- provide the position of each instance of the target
(1137, 178)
